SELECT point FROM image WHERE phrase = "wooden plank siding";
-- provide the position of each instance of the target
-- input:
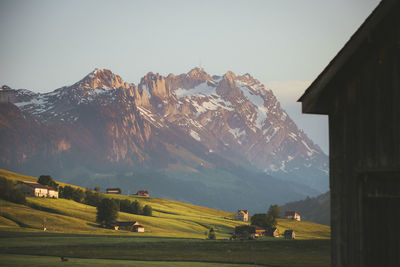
(363, 103)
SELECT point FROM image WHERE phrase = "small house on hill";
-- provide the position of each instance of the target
(274, 232)
(113, 191)
(289, 234)
(242, 215)
(249, 231)
(292, 215)
(132, 226)
(33, 189)
(142, 193)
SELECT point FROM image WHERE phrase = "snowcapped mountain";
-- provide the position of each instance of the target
(189, 123)
(238, 117)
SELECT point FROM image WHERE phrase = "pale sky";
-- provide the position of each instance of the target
(49, 44)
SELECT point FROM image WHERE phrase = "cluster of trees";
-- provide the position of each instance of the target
(10, 193)
(134, 207)
(87, 197)
(267, 220)
(94, 198)
(107, 210)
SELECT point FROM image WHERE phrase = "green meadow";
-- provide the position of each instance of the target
(176, 233)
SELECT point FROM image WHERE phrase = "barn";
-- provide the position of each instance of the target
(360, 92)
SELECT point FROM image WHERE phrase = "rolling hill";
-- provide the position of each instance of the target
(170, 218)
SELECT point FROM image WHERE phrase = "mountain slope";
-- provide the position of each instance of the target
(198, 132)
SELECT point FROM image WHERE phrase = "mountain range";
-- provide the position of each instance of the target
(220, 141)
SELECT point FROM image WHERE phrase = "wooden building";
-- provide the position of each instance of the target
(132, 226)
(113, 191)
(360, 92)
(242, 215)
(258, 231)
(249, 231)
(289, 234)
(274, 232)
(292, 215)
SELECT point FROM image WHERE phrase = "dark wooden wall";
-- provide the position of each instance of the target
(364, 122)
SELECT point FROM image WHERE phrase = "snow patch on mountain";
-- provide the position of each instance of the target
(203, 89)
(257, 101)
(195, 135)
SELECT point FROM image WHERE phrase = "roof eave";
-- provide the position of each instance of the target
(313, 93)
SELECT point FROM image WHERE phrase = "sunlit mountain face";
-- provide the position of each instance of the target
(188, 137)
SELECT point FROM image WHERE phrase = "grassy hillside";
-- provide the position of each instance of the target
(170, 218)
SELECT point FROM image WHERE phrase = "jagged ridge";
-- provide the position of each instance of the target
(178, 122)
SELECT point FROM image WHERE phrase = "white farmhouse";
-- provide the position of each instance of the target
(33, 189)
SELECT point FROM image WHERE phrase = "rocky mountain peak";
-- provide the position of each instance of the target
(229, 75)
(199, 74)
(247, 78)
(155, 85)
(104, 79)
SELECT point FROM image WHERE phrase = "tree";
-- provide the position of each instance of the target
(125, 205)
(147, 210)
(97, 189)
(92, 198)
(78, 195)
(107, 212)
(263, 220)
(258, 219)
(211, 234)
(270, 221)
(136, 207)
(10, 193)
(47, 180)
(274, 211)
(66, 192)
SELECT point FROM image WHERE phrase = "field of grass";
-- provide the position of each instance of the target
(268, 251)
(44, 261)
